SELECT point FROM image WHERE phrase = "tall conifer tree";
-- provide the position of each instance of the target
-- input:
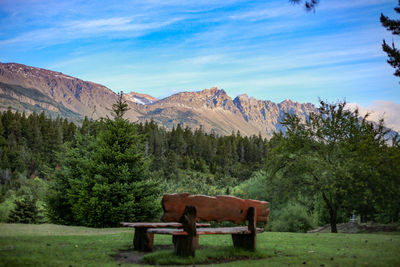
(391, 50)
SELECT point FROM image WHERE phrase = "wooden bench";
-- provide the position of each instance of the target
(183, 211)
(189, 209)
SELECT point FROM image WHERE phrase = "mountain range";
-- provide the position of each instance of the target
(26, 89)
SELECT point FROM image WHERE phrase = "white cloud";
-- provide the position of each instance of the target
(99, 23)
(387, 110)
(80, 29)
(264, 13)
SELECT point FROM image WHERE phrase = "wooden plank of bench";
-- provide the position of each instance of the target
(205, 231)
(143, 239)
(152, 225)
(219, 208)
(159, 224)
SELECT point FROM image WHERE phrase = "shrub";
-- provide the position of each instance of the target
(291, 218)
(6, 207)
(254, 188)
(25, 211)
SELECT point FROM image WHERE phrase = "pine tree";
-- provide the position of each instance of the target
(120, 107)
(391, 50)
(106, 180)
(25, 211)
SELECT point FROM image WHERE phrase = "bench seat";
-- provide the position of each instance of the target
(143, 239)
(159, 224)
(205, 231)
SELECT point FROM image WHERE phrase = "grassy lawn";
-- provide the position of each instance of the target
(54, 245)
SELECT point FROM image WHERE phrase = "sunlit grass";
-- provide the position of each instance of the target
(53, 245)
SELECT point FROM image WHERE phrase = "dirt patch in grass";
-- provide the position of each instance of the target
(134, 256)
(131, 256)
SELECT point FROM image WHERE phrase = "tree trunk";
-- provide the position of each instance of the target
(333, 215)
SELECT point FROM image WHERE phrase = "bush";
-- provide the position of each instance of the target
(291, 218)
(254, 188)
(6, 207)
(25, 211)
(194, 182)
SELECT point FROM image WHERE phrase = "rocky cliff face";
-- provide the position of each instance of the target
(266, 115)
(216, 111)
(26, 88)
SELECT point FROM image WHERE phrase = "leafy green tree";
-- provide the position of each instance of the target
(323, 155)
(392, 52)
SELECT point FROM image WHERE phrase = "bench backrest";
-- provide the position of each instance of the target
(219, 208)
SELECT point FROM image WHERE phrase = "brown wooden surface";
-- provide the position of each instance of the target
(159, 224)
(185, 245)
(248, 242)
(219, 208)
(143, 240)
(205, 231)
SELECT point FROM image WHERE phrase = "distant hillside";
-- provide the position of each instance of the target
(28, 99)
(27, 88)
(216, 111)
(82, 97)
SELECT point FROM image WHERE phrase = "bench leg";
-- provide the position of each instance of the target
(185, 245)
(243, 241)
(196, 241)
(142, 240)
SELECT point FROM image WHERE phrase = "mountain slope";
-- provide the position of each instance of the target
(27, 88)
(216, 111)
(82, 97)
(29, 99)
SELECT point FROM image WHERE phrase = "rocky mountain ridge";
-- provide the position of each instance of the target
(26, 88)
(138, 98)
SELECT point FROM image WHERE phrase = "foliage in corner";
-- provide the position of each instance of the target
(339, 157)
(393, 53)
(309, 5)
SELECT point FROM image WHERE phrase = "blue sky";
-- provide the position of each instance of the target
(271, 50)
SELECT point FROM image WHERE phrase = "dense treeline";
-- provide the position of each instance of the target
(235, 156)
(29, 143)
(109, 170)
(35, 149)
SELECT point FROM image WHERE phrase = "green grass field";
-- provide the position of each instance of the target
(54, 245)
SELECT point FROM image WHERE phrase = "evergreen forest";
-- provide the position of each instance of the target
(100, 172)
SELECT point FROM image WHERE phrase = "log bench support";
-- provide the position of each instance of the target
(247, 241)
(143, 240)
(185, 245)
